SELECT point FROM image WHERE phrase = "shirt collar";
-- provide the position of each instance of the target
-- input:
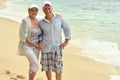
(54, 16)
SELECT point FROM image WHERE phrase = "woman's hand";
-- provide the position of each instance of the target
(36, 46)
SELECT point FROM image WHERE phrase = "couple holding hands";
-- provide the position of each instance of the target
(43, 35)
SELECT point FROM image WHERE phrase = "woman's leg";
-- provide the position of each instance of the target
(32, 57)
(31, 75)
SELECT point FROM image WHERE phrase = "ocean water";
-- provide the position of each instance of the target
(95, 24)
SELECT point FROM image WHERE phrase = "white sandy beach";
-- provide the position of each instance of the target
(2, 3)
(15, 67)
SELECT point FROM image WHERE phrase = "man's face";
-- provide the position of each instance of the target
(47, 10)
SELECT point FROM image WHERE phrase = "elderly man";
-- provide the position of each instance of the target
(51, 55)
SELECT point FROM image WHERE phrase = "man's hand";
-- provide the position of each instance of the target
(64, 44)
(40, 46)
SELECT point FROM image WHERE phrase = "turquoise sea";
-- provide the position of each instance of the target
(95, 24)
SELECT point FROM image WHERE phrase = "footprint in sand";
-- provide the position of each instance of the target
(13, 78)
(13, 75)
(20, 76)
(7, 72)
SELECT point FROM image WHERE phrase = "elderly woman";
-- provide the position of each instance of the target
(28, 44)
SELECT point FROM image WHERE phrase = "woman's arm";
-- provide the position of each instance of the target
(32, 43)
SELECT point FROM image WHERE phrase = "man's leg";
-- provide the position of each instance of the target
(58, 65)
(48, 74)
(58, 76)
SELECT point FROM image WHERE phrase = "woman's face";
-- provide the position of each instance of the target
(33, 12)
